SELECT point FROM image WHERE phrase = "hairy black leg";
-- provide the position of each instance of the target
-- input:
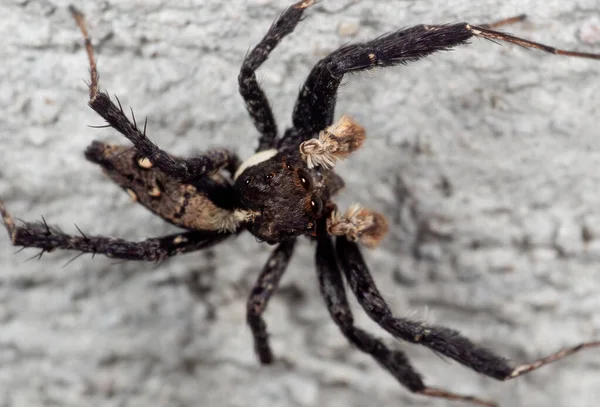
(178, 168)
(48, 238)
(394, 361)
(446, 341)
(315, 106)
(261, 294)
(254, 97)
(316, 102)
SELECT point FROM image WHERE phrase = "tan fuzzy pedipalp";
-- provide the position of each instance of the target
(335, 143)
(358, 224)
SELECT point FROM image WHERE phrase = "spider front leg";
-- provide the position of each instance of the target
(254, 97)
(446, 341)
(394, 361)
(182, 169)
(42, 236)
(315, 105)
(261, 294)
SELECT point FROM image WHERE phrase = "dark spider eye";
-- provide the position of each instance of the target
(269, 177)
(248, 180)
(316, 205)
(305, 179)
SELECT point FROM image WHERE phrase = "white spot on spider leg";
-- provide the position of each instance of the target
(145, 163)
(473, 30)
(254, 160)
(155, 192)
(180, 240)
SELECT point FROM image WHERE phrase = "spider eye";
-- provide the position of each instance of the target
(316, 205)
(305, 179)
(248, 180)
(269, 177)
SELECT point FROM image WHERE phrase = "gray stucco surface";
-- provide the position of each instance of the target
(493, 149)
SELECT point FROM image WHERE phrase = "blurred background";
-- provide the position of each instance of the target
(485, 161)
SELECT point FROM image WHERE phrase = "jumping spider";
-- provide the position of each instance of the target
(284, 191)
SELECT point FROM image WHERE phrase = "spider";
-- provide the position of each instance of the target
(284, 191)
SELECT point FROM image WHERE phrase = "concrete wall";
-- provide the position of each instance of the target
(495, 149)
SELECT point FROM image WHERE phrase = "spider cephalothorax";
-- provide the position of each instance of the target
(284, 191)
(287, 194)
(286, 197)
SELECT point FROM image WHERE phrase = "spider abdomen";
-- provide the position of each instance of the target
(182, 204)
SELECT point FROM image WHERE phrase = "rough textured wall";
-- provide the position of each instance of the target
(485, 160)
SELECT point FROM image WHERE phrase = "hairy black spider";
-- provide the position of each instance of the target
(285, 190)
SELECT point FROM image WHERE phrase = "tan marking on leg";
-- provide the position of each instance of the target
(9, 223)
(441, 393)
(81, 23)
(132, 194)
(144, 163)
(180, 240)
(155, 192)
(304, 4)
(561, 354)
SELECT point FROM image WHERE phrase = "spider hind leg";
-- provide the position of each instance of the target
(394, 361)
(446, 341)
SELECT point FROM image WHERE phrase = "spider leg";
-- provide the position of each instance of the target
(256, 101)
(179, 168)
(261, 294)
(315, 105)
(50, 238)
(394, 361)
(440, 339)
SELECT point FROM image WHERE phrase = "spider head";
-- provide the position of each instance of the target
(285, 195)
